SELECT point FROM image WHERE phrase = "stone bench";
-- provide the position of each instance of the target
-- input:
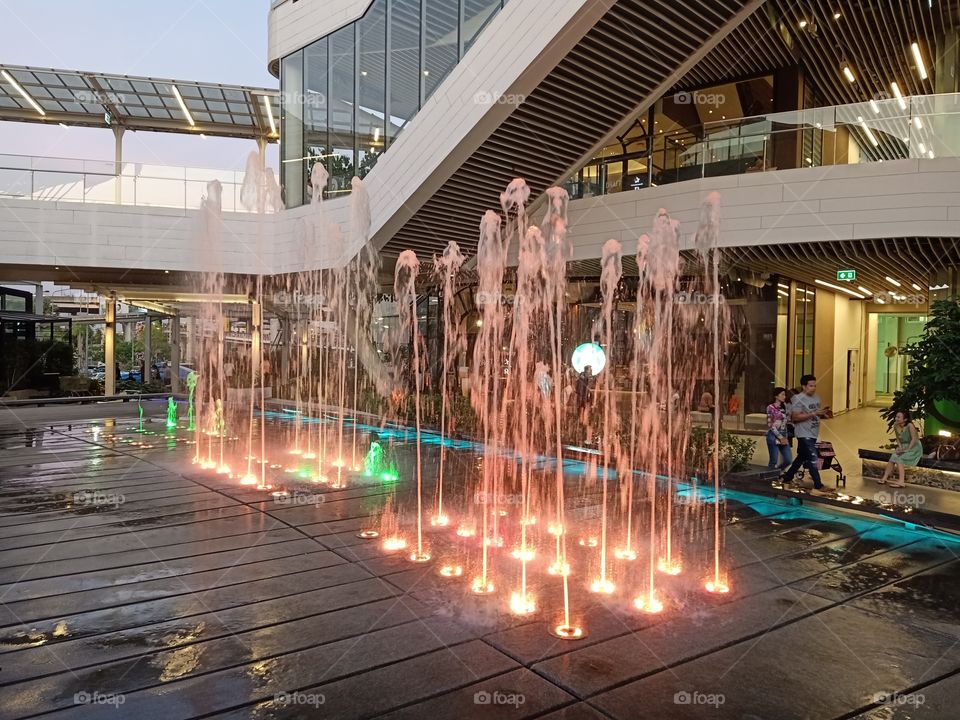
(928, 472)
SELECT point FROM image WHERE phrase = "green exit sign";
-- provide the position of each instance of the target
(846, 274)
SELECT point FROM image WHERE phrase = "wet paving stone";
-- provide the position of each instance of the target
(838, 660)
(198, 597)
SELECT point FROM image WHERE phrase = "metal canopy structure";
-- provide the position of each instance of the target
(101, 100)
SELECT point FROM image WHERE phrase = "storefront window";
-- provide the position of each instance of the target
(347, 96)
(292, 125)
(371, 103)
(804, 316)
(342, 110)
(316, 137)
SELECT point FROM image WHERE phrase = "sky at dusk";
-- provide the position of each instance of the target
(221, 41)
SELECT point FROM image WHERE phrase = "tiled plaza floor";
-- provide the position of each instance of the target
(196, 597)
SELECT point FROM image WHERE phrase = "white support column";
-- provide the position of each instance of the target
(118, 162)
(109, 343)
(175, 354)
(147, 348)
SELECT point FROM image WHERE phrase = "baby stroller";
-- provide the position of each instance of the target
(826, 460)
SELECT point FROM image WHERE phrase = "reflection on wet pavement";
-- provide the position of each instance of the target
(131, 586)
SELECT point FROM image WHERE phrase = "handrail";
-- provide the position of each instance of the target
(29, 177)
(919, 126)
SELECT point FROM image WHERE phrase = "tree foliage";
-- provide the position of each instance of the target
(934, 366)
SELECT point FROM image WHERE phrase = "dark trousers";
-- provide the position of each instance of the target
(806, 456)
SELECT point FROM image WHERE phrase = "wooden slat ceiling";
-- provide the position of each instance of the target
(909, 260)
(617, 65)
(873, 37)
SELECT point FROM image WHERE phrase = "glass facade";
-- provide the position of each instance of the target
(348, 95)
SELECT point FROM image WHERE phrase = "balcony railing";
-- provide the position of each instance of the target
(923, 126)
(94, 181)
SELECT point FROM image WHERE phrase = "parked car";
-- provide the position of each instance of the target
(165, 371)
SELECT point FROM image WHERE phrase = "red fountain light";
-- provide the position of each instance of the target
(602, 585)
(394, 543)
(568, 632)
(648, 603)
(717, 586)
(480, 586)
(521, 604)
(669, 567)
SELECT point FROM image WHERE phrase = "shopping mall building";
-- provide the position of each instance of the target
(831, 131)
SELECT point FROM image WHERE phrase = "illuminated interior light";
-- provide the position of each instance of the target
(267, 106)
(26, 96)
(183, 105)
(921, 68)
(899, 95)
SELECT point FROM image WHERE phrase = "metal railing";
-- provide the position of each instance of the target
(93, 181)
(922, 126)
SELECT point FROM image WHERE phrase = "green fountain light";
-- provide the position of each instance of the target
(171, 413)
(191, 386)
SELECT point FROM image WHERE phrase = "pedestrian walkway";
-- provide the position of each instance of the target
(865, 428)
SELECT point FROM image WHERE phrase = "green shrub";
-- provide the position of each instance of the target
(736, 451)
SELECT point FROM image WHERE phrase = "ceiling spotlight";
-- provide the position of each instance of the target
(892, 281)
(921, 68)
(874, 106)
(803, 24)
(917, 122)
(915, 286)
(836, 16)
(848, 73)
(862, 289)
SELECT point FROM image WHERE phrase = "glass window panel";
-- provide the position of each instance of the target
(476, 14)
(341, 110)
(316, 139)
(291, 129)
(404, 80)
(441, 41)
(371, 37)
